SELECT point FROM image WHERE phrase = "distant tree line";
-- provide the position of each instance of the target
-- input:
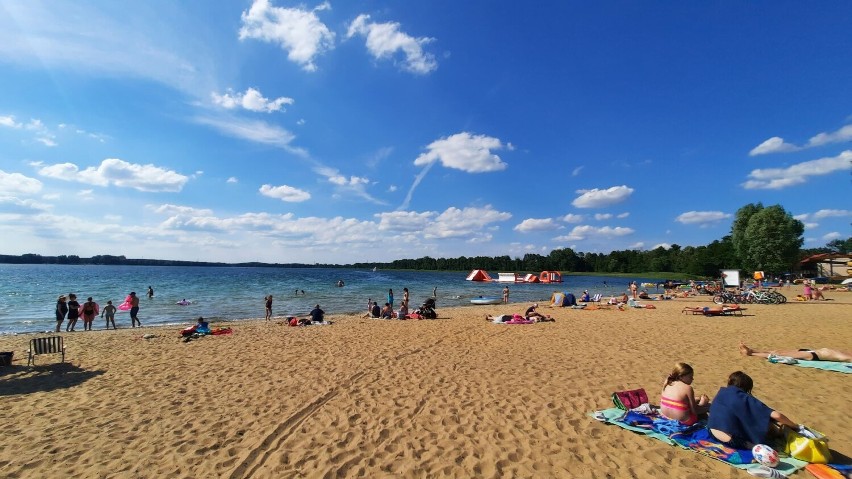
(762, 238)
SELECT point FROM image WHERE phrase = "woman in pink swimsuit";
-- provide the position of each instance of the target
(677, 400)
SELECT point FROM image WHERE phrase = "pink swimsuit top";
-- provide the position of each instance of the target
(678, 406)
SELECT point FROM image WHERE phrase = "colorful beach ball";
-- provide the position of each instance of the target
(765, 455)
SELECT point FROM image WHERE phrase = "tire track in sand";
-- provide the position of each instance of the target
(258, 456)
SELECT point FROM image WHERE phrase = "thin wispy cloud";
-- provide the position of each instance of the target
(779, 145)
(779, 178)
(702, 217)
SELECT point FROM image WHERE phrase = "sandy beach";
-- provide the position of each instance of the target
(455, 397)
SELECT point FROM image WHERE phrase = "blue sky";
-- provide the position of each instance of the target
(371, 131)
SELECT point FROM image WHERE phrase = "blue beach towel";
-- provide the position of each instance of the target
(696, 438)
(825, 365)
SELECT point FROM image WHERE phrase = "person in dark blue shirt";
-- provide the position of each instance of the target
(738, 419)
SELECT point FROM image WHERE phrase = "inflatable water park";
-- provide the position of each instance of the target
(544, 277)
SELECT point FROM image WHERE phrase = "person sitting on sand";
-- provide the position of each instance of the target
(739, 420)
(677, 400)
(387, 312)
(644, 295)
(585, 298)
(816, 294)
(821, 354)
(202, 326)
(317, 314)
(531, 312)
(403, 310)
(533, 315)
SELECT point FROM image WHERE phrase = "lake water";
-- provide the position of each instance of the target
(28, 293)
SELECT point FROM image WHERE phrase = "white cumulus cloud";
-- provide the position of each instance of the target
(119, 173)
(778, 178)
(603, 216)
(466, 152)
(385, 39)
(251, 100)
(536, 224)
(596, 198)
(832, 236)
(16, 183)
(700, 217)
(285, 193)
(572, 218)
(297, 31)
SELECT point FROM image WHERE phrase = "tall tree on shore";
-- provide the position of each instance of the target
(767, 238)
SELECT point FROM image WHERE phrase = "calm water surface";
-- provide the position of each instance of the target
(28, 293)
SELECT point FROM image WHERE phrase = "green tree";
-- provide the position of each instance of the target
(840, 246)
(738, 229)
(771, 240)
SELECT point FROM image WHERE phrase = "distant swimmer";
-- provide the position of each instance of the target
(184, 302)
(340, 283)
(150, 292)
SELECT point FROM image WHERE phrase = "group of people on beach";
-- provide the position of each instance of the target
(734, 417)
(531, 315)
(68, 306)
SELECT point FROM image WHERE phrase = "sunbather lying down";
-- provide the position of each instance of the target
(821, 354)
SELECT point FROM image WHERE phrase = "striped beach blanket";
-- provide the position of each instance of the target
(696, 439)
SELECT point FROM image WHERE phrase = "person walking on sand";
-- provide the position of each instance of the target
(268, 307)
(61, 311)
(134, 310)
(109, 312)
(506, 294)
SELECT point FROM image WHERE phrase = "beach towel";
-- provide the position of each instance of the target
(696, 438)
(824, 365)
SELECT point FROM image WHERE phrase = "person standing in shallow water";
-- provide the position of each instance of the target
(150, 292)
(506, 294)
(61, 311)
(390, 298)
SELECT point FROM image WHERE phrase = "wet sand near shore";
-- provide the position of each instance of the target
(455, 397)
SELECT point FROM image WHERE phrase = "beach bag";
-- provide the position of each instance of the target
(629, 399)
(803, 448)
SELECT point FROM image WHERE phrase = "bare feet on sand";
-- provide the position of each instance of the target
(745, 350)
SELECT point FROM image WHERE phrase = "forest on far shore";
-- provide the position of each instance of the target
(762, 238)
